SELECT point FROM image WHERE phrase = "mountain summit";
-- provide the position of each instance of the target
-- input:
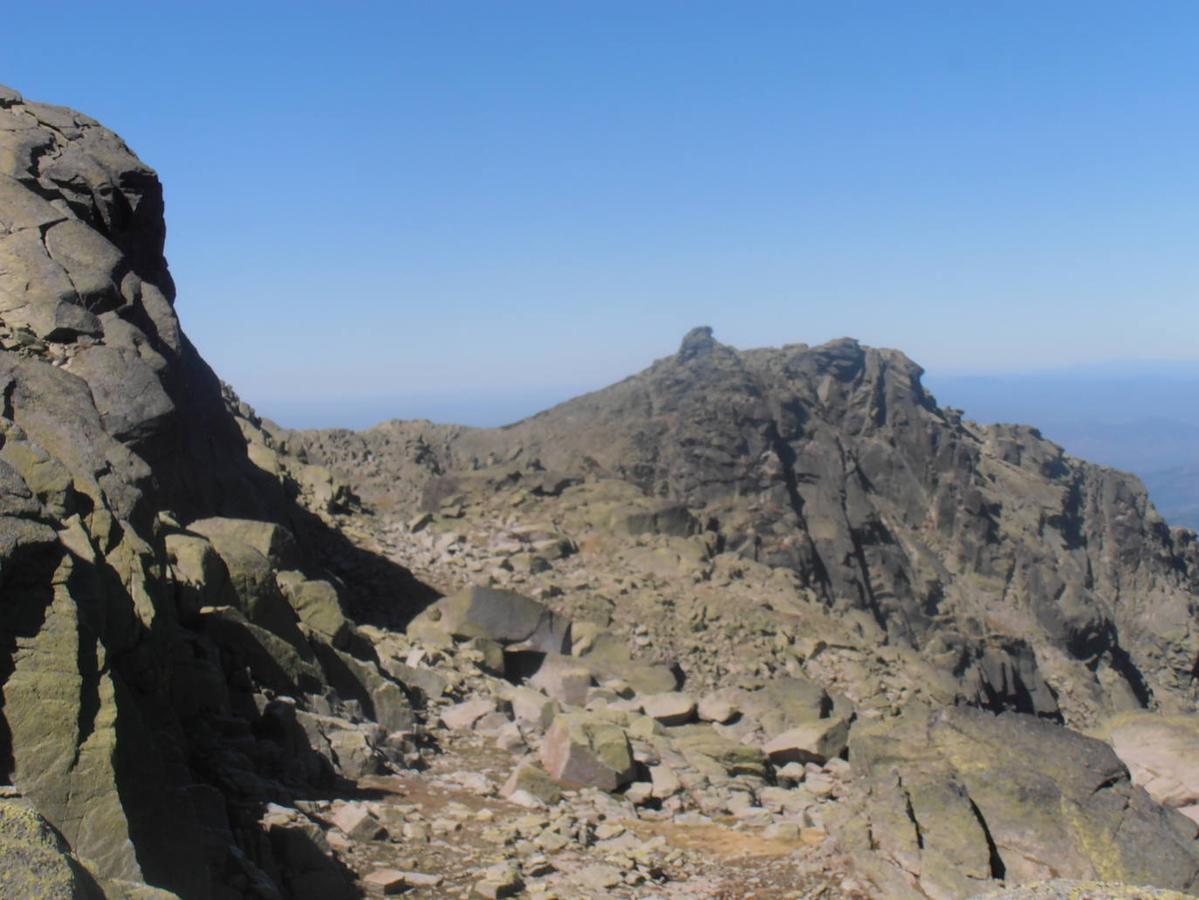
(1050, 583)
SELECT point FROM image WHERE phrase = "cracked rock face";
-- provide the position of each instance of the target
(95, 381)
(156, 682)
(949, 799)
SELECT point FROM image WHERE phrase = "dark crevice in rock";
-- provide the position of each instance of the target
(998, 869)
(521, 664)
(89, 699)
(1122, 663)
(865, 587)
(1069, 522)
(6, 396)
(1111, 781)
(911, 812)
(813, 570)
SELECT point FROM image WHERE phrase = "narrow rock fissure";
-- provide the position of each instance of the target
(786, 457)
(6, 404)
(998, 869)
(859, 552)
(89, 698)
(907, 799)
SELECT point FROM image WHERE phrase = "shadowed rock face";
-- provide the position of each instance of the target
(1025, 572)
(125, 640)
(108, 415)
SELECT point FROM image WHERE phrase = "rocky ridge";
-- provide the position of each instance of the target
(1039, 582)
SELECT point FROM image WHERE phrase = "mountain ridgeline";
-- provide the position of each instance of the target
(1050, 583)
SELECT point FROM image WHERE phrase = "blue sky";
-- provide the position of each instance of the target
(469, 210)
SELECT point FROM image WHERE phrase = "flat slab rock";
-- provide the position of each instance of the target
(1162, 754)
(669, 709)
(395, 881)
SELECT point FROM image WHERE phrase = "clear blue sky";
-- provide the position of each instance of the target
(467, 209)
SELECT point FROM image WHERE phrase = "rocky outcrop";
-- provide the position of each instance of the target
(36, 862)
(169, 637)
(948, 801)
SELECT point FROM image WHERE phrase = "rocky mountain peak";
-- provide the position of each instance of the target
(696, 342)
(981, 546)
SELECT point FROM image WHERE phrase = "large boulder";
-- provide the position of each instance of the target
(317, 604)
(585, 750)
(669, 709)
(813, 742)
(949, 802)
(783, 703)
(200, 575)
(705, 749)
(250, 552)
(607, 657)
(562, 678)
(1162, 754)
(510, 619)
(269, 539)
